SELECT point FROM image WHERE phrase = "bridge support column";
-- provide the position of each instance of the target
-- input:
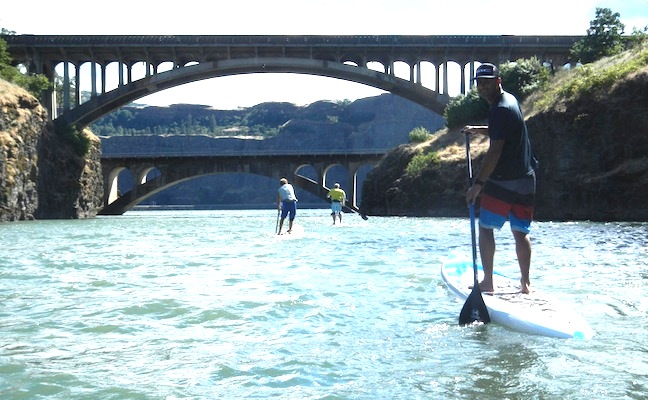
(462, 85)
(351, 196)
(472, 73)
(93, 76)
(66, 87)
(445, 78)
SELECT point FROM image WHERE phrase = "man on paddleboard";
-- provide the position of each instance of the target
(338, 197)
(286, 203)
(506, 178)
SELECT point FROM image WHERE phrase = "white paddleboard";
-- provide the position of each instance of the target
(537, 313)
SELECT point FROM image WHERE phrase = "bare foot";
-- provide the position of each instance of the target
(525, 287)
(484, 287)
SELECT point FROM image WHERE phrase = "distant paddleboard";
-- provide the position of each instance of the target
(537, 313)
(296, 232)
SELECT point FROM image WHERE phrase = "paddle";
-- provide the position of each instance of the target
(277, 225)
(357, 212)
(474, 309)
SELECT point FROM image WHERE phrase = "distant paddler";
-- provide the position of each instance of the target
(286, 203)
(338, 198)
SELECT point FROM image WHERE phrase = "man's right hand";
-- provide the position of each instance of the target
(474, 129)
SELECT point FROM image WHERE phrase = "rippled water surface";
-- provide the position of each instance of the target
(213, 305)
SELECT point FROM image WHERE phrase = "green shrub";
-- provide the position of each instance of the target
(420, 163)
(419, 135)
(79, 142)
(463, 109)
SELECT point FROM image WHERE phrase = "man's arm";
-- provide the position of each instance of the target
(488, 166)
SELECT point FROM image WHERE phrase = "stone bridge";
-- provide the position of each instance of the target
(155, 173)
(173, 60)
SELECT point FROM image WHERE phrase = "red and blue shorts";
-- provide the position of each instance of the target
(511, 200)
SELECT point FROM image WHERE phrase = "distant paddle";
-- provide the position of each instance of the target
(474, 309)
(364, 216)
(277, 224)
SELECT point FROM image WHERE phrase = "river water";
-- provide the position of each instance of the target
(214, 305)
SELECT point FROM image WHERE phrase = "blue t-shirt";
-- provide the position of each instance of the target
(506, 122)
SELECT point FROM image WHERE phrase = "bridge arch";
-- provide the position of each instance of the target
(100, 105)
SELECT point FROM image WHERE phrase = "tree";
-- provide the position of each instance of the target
(523, 77)
(604, 37)
(35, 83)
(638, 37)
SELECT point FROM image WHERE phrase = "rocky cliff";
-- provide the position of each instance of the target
(593, 153)
(41, 177)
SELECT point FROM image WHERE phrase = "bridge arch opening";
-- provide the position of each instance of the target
(165, 66)
(89, 86)
(148, 175)
(113, 72)
(360, 176)
(337, 173)
(402, 70)
(118, 183)
(377, 66)
(308, 171)
(427, 72)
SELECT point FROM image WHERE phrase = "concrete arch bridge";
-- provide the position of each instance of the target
(155, 173)
(173, 60)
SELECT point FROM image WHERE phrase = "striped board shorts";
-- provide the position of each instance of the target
(511, 200)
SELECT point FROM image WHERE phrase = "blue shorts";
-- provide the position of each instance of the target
(336, 207)
(288, 207)
(508, 200)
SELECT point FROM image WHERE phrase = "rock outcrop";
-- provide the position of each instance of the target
(41, 177)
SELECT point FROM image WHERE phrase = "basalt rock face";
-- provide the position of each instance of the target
(21, 123)
(41, 177)
(593, 154)
(69, 186)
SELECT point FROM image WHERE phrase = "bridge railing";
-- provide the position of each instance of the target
(234, 153)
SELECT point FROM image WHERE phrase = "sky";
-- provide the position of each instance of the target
(304, 17)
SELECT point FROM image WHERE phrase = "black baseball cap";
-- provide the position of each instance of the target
(487, 71)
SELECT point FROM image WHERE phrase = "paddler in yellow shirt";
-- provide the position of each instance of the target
(338, 197)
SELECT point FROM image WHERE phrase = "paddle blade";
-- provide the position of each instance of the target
(474, 309)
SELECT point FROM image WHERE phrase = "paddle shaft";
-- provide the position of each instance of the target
(472, 211)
